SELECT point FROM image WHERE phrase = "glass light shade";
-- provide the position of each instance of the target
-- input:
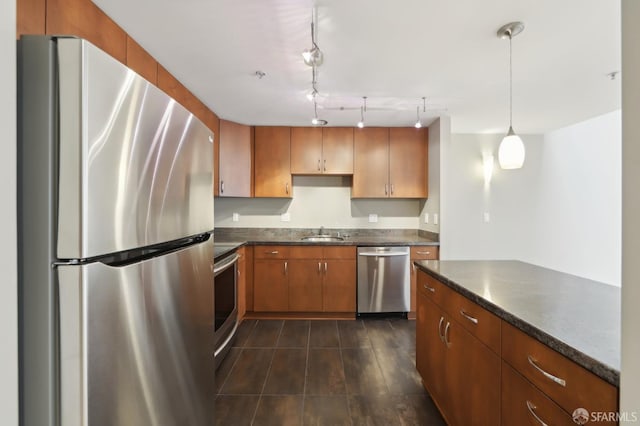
(511, 152)
(418, 125)
(360, 124)
(314, 121)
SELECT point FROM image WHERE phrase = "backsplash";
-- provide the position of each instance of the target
(318, 201)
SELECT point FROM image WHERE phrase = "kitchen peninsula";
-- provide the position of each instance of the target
(516, 341)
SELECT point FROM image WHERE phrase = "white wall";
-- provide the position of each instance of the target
(317, 201)
(466, 197)
(630, 372)
(8, 255)
(562, 210)
(577, 213)
(439, 134)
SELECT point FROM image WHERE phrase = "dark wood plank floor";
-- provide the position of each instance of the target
(325, 372)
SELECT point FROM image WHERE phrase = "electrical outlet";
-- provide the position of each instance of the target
(426, 218)
(235, 217)
(435, 218)
(285, 217)
(373, 218)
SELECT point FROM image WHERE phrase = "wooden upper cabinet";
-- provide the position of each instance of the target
(408, 159)
(337, 150)
(235, 160)
(370, 163)
(30, 17)
(84, 19)
(316, 150)
(306, 150)
(141, 62)
(272, 170)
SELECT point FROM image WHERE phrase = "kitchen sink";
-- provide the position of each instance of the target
(321, 238)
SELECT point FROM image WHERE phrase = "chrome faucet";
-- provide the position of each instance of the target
(321, 232)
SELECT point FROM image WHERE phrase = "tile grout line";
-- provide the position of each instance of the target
(266, 377)
(344, 373)
(242, 348)
(306, 369)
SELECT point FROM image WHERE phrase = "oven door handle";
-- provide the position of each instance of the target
(225, 264)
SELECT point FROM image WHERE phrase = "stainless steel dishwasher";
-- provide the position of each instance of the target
(383, 280)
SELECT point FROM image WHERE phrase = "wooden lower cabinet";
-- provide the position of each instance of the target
(271, 285)
(461, 374)
(304, 279)
(339, 285)
(418, 253)
(305, 285)
(524, 404)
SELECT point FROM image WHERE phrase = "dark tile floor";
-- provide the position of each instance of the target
(323, 373)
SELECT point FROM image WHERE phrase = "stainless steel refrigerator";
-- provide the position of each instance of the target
(115, 245)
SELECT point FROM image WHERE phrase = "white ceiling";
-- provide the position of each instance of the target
(394, 52)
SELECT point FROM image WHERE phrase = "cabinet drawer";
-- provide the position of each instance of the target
(305, 252)
(271, 252)
(339, 252)
(523, 404)
(564, 381)
(424, 252)
(432, 288)
(478, 321)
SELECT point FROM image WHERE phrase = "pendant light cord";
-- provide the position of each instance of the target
(510, 84)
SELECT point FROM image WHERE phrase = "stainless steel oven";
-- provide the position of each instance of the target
(226, 304)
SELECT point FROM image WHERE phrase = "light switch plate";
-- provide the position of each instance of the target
(435, 218)
(285, 217)
(487, 217)
(426, 218)
(373, 218)
(235, 217)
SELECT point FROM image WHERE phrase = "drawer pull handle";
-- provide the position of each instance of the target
(446, 334)
(440, 329)
(431, 289)
(272, 252)
(286, 268)
(532, 410)
(319, 267)
(551, 377)
(469, 317)
(423, 252)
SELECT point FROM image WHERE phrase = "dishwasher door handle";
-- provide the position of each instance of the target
(383, 254)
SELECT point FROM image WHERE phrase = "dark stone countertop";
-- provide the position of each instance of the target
(577, 317)
(355, 237)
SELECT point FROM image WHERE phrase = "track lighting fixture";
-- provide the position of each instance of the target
(317, 121)
(418, 123)
(313, 57)
(511, 151)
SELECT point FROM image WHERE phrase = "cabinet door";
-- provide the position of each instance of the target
(337, 150)
(272, 162)
(408, 162)
(339, 285)
(306, 150)
(305, 285)
(370, 163)
(472, 377)
(270, 286)
(430, 350)
(235, 159)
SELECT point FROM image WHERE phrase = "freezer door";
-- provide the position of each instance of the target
(135, 167)
(136, 342)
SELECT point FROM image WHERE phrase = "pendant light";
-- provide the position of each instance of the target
(511, 152)
(317, 121)
(363, 108)
(313, 57)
